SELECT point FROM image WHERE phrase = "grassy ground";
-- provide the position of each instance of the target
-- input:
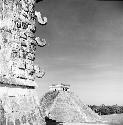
(114, 119)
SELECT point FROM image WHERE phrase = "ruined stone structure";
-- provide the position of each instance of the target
(62, 105)
(17, 54)
(59, 87)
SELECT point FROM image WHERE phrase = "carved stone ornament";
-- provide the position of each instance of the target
(17, 39)
(18, 97)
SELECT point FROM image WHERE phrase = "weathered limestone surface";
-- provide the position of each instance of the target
(19, 101)
(18, 42)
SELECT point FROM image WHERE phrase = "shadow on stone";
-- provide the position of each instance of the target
(51, 121)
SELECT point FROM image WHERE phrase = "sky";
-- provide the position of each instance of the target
(84, 49)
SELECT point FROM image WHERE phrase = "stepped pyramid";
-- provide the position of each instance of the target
(62, 105)
(19, 100)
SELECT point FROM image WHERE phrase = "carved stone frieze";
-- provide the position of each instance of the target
(18, 44)
(17, 39)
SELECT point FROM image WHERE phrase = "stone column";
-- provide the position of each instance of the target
(17, 54)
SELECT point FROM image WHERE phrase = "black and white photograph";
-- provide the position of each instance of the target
(61, 62)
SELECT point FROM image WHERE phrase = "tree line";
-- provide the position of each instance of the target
(107, 110)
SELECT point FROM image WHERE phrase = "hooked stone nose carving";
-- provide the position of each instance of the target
(40, 19)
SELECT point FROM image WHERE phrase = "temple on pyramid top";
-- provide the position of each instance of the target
(59, 87)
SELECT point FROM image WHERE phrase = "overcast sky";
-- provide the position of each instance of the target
(84, 48)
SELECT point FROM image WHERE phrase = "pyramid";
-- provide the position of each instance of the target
(62, 105)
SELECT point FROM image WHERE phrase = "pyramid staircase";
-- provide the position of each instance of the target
(64, 106)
